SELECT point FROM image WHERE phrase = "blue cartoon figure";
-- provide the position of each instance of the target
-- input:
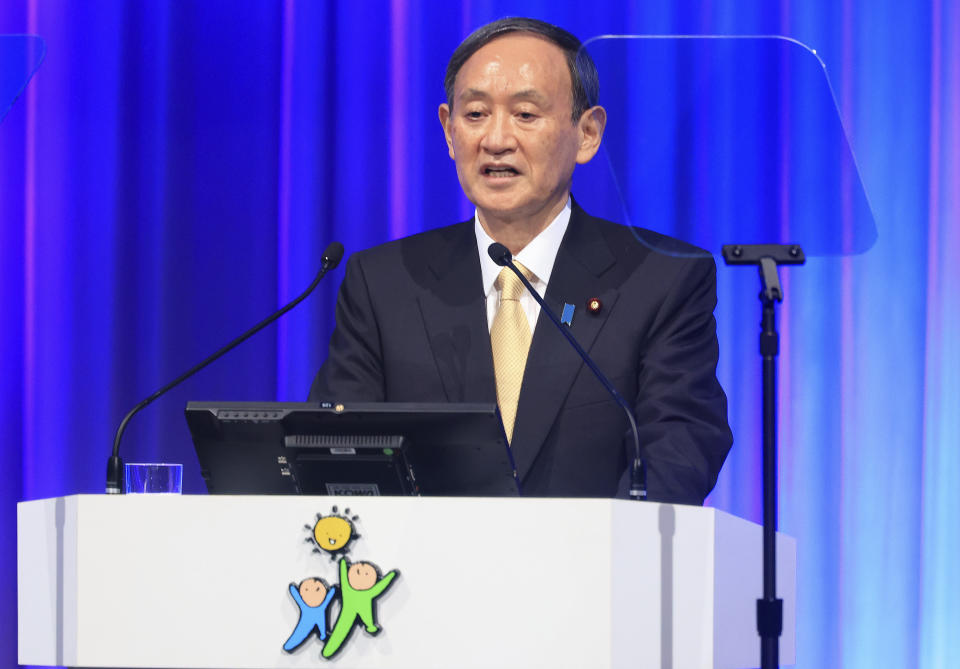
(313, 597)
(360, 584)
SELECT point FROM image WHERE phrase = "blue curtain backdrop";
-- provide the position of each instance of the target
(174, 171)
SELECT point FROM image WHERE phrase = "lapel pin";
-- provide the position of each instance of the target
(594, 305)
(567, 316)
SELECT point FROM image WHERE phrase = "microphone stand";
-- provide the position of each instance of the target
(638, 470)
(330, 259)
(768, 257)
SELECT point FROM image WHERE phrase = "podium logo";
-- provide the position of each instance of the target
(353, 599)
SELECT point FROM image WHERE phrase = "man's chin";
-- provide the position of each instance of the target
(503, 204)
(502, 214)
(512, 210)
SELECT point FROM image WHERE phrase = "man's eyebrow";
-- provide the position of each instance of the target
(529, 94)
(472, 94)
(525, 94)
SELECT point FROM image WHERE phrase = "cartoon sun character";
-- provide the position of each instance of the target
(333, 533)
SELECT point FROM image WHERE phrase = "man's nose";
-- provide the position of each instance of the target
(500, 136)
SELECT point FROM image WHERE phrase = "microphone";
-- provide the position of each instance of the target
(501, 255)
(329, 260)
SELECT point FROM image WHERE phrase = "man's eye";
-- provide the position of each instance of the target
(474, 114)
(526, 116)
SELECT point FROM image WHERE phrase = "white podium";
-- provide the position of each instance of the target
(204, 581)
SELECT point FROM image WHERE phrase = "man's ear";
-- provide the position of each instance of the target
(444, 113)
(590, 126)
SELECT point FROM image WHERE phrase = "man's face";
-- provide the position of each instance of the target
(510, 129)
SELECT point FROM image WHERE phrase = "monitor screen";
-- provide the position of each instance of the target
(352, 448)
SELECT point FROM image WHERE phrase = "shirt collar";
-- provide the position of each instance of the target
(538, 256)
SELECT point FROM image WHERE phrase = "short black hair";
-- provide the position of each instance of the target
(583, 72)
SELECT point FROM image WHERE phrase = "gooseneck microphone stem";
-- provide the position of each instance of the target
(330, 259)
(638, 474)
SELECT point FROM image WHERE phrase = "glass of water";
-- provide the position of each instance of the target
(153, 477)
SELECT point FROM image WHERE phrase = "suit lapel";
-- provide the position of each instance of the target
(553, 364)
(455, 318)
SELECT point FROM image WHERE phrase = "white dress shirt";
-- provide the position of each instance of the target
(538, 256)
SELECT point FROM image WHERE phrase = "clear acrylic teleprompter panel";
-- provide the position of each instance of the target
(718, 140)
(20, 56)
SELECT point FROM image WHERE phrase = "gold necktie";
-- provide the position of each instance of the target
(510, 340)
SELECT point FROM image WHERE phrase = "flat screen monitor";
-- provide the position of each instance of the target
(324, 448)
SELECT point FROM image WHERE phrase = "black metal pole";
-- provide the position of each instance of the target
(768, 257)
(769, 608)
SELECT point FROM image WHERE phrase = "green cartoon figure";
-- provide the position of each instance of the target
(360, 584)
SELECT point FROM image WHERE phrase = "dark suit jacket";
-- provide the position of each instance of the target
(412, 327)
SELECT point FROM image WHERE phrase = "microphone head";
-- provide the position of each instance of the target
(331, 257)
(500, 254)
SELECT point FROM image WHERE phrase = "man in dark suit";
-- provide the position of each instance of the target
(415, 317)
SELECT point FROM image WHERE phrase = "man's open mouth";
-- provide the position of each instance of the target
(500, 172)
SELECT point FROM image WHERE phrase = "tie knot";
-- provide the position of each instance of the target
(509, 284)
